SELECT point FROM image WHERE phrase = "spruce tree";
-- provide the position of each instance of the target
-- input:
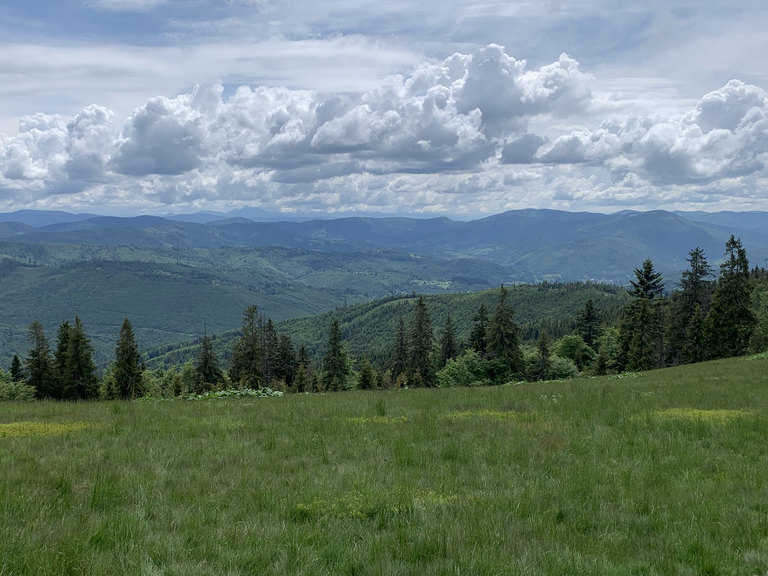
(400, 350)
(478, 337)
(335, 361)
(641, 336)
(448, 347)
(301, 382)
(59, 390)
(588, 324)
(270, 344)
(207, 369)
(544, 353)
(246, 364)
(728, 327)
(504, 340)
(80, 380)
(17, 370)
(285, 362)
(38, 364)
(367, 379)
(127, 371)
(693, 350)
(695, 292)
(420, 369)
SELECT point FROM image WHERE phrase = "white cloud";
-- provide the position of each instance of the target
(451, 135)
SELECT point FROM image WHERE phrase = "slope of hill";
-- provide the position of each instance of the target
(171, 295)
(369, 327)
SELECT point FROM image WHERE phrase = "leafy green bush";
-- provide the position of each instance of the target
(469, 369)
(14, 391)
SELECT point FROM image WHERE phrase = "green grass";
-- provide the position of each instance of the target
(661, 474)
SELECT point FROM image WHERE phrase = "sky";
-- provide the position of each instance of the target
(430, 107)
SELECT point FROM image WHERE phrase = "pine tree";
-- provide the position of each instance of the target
(301, 382)
(207, 370)
(285, 362)
(730, 323)
(588, 324)
(127, 371)
(335, 361)
(695, 291)
(642, 346)
(504, 339)
(80, 380)
(17, 370)
(246, 365)
(270, 344)
(693, 351)
(544, 353)
(367, 379)
(400, 350)
(420, 369)
(478, 338)
(59, 391)
(448, 347)
(641, 336)
(38, 363)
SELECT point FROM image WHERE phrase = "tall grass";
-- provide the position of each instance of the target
(662, 474)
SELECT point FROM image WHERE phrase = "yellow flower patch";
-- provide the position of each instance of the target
(707, 416)
(22, 429)
(378, 420)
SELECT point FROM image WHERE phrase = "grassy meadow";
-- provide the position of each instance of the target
(663, 473)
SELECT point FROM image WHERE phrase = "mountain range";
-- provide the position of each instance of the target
(176, 278)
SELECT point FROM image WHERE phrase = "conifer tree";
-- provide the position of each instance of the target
(400, 350)
(730, 323)
(448, 347)
(641, 336)
(246, 365)
(335, 361)
(695, 292)
(478, 338)
(63, 333)
(367, 379)
(38, 363)
(693, 351)
(301, 382)
(208, 373)
(504, 339)
(127, 371)
(270, 344)
(80, 380)
(544, 353)
(420, 369)
(285, 362)
(17, 370)
(588, 324)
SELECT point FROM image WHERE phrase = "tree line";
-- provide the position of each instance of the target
(704, 317)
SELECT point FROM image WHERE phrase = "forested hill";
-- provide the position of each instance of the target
(538, 244)
(368, 328)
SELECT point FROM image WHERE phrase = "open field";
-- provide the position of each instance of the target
(666, 473)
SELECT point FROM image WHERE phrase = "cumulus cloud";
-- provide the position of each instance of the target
(448, 127)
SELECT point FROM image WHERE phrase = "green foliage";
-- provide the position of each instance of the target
(588, 324)
(468, 369)
(504, 339)
(478, 337)
(574, 348)
(367, 377)
(730, 323)
(127, 369)
(39, 365)
(208, 375)
(16, 370)
(14, 390)
(336, 369)
(79, 378)
(448, 346)
(245, 369)
(421, 370)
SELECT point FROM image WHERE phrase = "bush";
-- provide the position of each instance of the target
(467, 370)
(15, 391)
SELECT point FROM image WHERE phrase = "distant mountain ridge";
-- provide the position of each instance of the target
(539, 244)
